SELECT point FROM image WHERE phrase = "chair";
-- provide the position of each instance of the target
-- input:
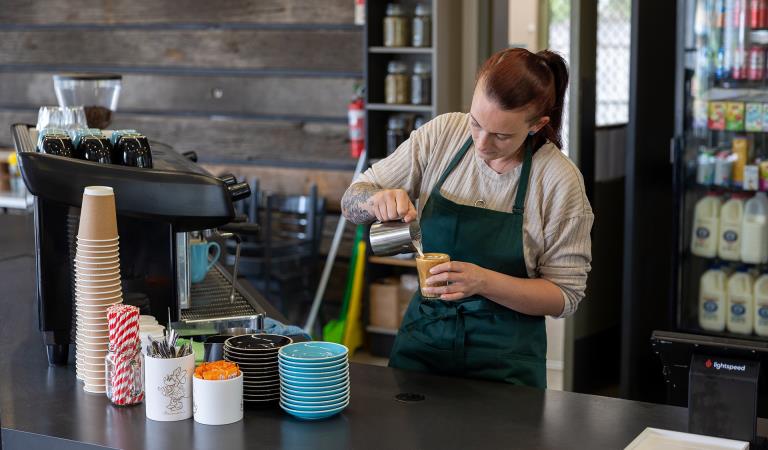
(282, 260)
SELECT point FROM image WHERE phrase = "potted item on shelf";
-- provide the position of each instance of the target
(397, 87)
(395, 26)
(421, 84)
(422, 26)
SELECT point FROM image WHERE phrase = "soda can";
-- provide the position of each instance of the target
(756, 67)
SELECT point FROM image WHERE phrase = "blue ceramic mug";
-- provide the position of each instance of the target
(199, 265)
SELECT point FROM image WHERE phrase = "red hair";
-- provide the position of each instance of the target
(516, 78)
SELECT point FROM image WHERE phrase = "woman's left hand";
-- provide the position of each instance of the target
(465, 280)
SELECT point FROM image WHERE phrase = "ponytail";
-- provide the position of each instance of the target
(516, 78)
(559, 70)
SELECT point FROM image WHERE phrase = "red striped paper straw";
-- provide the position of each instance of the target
(123, 323)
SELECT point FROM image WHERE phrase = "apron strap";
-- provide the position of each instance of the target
(522, 186)
(459, 339)
(452, 165)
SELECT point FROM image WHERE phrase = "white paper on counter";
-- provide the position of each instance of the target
(655, 438)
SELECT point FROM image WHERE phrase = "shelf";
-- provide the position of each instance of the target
(399, 108)
(718, 188)
(402, 50)
(389, 261)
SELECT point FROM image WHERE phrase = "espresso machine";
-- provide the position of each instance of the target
(157, 209)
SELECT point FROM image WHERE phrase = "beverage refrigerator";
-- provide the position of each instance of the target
(719, 154)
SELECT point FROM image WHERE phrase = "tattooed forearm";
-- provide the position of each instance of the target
(356, 203)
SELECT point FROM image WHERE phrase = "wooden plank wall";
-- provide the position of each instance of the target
(239, 81)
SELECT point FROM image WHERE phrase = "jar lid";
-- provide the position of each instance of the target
(395, 123)
(423, 9)
(396, 67)
(395, 9)
(422, 67)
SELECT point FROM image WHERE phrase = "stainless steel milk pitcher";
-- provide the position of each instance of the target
(394, 237)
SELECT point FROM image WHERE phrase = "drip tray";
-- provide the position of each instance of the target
(210, 302)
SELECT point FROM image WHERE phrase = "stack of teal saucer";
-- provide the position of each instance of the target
(314, 379)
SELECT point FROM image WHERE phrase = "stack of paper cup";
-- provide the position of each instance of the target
(97, 283)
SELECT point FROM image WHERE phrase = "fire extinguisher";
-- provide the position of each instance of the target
(359, 12)
(356, 115)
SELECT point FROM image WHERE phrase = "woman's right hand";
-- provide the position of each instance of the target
(392, 204)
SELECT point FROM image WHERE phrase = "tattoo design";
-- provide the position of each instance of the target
(356, 201)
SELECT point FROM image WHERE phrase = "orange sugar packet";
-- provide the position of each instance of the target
(217, 370)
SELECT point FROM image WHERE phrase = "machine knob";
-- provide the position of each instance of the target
(228, 179)
(191, 155)
(239, 191)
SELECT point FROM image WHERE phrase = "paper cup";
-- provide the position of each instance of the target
(96, 276)
(84, 299)
(93, 351)
(108, 258)
(96, 268)
(168, 387)
(95, 368)
(90, 339)
(92, 320)
(88, 255)
(93, 308)
(104, 281)
(96, 286)
(94, 248)
(93, 291)
(93, 360)
(217, 402)
(91, 388)
(106, 265)
(98, 217)
(91, 346)
(92, 332)
(98, 242)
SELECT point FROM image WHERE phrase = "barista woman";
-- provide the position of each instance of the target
(495, 193)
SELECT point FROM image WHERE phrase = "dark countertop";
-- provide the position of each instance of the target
(45, 407)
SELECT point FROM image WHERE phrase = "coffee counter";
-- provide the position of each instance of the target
(45, 407)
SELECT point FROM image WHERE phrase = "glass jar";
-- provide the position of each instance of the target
(422, 26)
(125, 380)
(396, 84)
(418, 122)
(421, 84)
(395, 133)
(395, 26)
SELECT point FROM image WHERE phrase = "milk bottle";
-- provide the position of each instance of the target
(712, 299)
(754, 230)
(761, 305)
(729, 234)
(740, 307)
(705, 226)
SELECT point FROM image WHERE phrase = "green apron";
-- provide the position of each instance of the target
(474, 337)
